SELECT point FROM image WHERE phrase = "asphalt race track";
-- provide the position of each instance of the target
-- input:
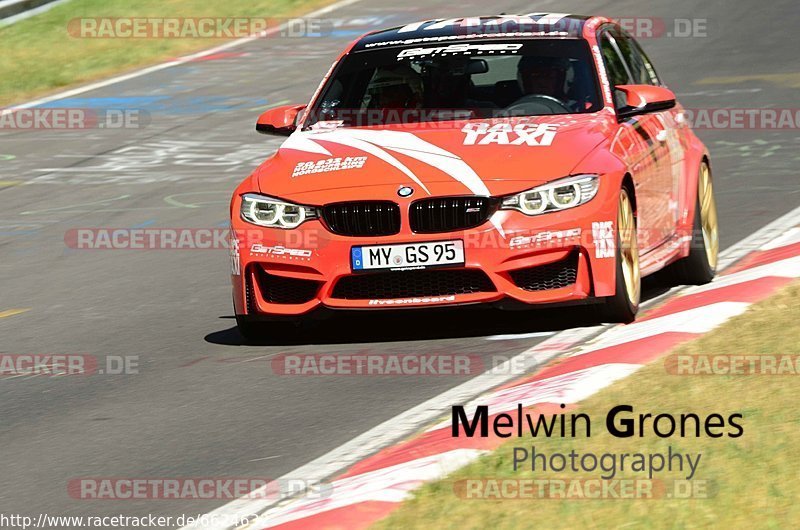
(203, 404)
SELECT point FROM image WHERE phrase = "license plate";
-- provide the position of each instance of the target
(408, 256)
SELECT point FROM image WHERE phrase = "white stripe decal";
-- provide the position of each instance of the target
(443, 24)
(548, 18)
(377, 151)
(418, 149)
(454, 167)
(301, 142)
(413, 27)
(376, 142)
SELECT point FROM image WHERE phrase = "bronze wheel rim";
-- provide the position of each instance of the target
(708, 216)
(629, 248)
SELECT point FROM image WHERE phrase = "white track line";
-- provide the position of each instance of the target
(389, 484)
(789, 238)
(169, 64)
(418, 417)
(785, 268)
(759, 238)
(698, 321)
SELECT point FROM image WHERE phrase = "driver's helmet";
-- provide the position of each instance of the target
(543, 75)
(399, 87)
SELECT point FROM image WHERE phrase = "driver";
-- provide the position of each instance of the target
(545, 76)
(398, 87)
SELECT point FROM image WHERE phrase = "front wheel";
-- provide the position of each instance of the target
(252, 331)
(259, 331)
(623, 306)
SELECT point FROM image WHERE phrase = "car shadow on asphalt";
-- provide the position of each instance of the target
(355, 327)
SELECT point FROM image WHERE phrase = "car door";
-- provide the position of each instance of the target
(672, 124)
(635, 142)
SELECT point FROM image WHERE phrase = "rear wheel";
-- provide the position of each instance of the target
(623, 306)
(700, 265)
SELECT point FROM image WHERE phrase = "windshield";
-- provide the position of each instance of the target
(433, 82)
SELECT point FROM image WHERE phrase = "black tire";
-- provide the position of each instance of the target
(272, 332)
(695, 268)
(620, 307)
(252, 331)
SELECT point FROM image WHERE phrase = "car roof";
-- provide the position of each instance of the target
(527, 26)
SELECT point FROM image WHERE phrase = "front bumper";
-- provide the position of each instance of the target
(558, 257)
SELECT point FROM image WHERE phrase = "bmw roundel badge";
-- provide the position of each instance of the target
(405, 191)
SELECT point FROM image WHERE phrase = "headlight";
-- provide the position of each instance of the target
(559, 195)
(266, 211)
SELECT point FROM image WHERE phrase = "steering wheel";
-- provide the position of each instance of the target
(532, 104)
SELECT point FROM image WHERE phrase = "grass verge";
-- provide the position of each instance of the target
(755, 476)
(39, 55)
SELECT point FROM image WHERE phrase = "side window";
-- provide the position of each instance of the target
(617, 73)
(648, 66)
(641, 70)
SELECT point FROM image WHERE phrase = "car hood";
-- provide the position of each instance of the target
(494, 157)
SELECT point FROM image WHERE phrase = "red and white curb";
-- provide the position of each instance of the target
(375, 485)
